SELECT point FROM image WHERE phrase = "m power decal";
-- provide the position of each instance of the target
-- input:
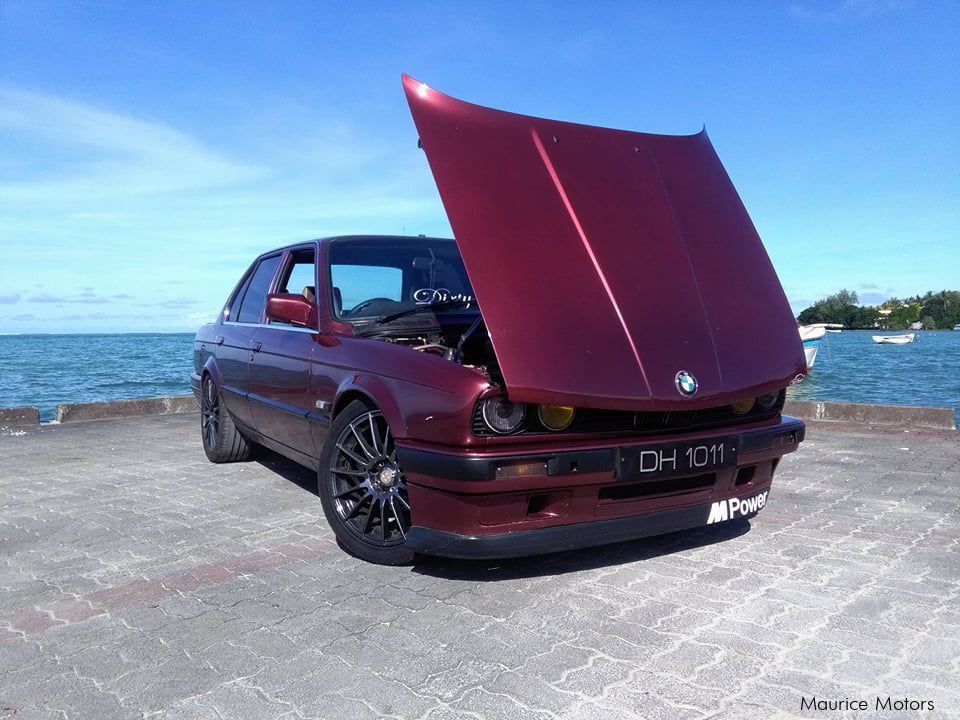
(735, 507)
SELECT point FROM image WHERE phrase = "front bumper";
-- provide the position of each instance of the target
(559, 538)
(465, 505)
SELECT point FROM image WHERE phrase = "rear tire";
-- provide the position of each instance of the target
(222, 442)
(362, 489)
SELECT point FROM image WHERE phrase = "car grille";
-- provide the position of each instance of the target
(651, 488)
(590, 420)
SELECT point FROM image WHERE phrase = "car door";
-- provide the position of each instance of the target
(280, 395)
(235, 337)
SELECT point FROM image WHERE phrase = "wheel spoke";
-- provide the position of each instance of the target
(348, 472)
(345, 493)
(383, 520)
(363, 444)
(397, 518)
(401, 499)
(352, 455)
(373, 433)
(368, 520)
(356, 508)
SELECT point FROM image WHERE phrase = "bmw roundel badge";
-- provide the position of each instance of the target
(686, 383)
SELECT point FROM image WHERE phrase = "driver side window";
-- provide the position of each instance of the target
(357, 283)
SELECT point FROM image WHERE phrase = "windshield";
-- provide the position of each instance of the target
(377, 277)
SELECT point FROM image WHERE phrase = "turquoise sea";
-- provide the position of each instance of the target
(44, 370)
(852, 368)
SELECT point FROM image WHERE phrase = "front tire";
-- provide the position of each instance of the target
(362, 488)
(222, 442)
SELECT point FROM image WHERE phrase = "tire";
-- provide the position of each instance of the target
(222, 442)
(362, 489)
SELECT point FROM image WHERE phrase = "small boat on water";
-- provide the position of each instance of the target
(894, 339)
(811, 336)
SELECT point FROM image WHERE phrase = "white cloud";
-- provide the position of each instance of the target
(839, 10)
(95, 198)
(71, 153)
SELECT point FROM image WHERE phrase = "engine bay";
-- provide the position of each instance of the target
(465, 343)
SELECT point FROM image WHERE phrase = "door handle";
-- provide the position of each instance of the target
(256, 346)
(219, 339)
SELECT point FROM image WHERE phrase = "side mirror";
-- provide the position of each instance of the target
(291, 308)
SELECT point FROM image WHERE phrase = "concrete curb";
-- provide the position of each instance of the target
(81, 412)
(905, 416)
(14, 417)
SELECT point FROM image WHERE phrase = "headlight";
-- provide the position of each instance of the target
(742, 407)
(501, 415)
(768, 401)
(556, 417)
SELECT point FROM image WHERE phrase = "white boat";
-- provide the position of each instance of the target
(893, 339)
(811, 336)
(811, 332)
(817, 330)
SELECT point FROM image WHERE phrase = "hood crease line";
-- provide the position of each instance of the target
(693, 271)
(593, 259)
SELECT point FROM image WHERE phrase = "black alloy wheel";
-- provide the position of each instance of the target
(222, 442)
(363, 489)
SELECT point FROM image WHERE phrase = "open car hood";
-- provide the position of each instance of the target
(606, 262)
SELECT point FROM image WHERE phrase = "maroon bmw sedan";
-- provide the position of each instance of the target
(600, 355)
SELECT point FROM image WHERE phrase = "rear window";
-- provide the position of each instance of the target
(254, 297)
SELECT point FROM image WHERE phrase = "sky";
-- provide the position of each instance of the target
(149, 151)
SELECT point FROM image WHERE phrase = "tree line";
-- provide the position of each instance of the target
(937, 311)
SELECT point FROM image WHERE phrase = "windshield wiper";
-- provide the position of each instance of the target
(420, 308)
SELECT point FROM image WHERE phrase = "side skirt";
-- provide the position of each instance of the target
(311, 463)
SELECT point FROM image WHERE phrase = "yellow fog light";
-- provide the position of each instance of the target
(742, 407)
(556, 417)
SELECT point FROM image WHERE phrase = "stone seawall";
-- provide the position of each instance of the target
(22, 417)
(905, 416)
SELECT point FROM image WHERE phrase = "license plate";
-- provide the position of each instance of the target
(676, 459)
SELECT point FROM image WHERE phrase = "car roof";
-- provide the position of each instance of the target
(350, 238)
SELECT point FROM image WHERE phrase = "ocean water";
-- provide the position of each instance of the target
(850, 367)
(44, 370)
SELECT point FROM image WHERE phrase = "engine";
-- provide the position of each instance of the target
(467, 345)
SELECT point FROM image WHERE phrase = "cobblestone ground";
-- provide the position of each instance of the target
(138, 580)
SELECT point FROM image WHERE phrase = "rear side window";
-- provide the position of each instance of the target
(255, 296)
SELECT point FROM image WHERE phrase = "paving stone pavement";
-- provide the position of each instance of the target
(139, 581)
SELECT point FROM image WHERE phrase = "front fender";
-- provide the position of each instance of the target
(376, 391)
